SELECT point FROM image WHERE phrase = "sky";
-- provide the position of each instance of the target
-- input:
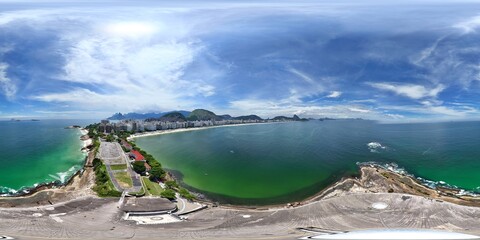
(414, 61)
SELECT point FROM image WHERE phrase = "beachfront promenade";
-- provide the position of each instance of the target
(95, 218)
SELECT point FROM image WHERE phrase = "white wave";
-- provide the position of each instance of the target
(429, 183)
(63, 176)
(375, 146)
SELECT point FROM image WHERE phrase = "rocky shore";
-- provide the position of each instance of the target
(375, 179)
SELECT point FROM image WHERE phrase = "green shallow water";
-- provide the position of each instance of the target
(38, 152)
(278, 163)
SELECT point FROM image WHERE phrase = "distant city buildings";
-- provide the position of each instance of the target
(107, 127)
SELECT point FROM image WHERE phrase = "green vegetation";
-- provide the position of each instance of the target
(118, 167)
(93, 134)
(173, 117)
(153, 188)
(202, 114)
(156, 174)
(124, 179)
(186, 194)
(124, 134)
(103, 185)
(139, 167)
(110, 138)
(168, 193)
(171, 184)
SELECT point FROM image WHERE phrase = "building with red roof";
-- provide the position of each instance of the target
(137, 155)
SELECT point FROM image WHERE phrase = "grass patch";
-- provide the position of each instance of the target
(153, 188)
(118, 167)
(124, 179)
(103, 185)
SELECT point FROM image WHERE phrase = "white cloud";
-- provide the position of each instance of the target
(302, 76)
(9, 89)
(334, 94)
(272, 108)
(122, 72)
(469, 25)
(360, 110)
(410, 90)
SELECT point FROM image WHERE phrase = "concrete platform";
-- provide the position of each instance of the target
(101, 219)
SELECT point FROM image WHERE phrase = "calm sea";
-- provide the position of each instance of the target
(36, 152)
(284, 162)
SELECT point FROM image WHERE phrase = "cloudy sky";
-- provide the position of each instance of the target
(403, 62)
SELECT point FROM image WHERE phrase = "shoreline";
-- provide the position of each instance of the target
(372, 178)
(26, 192)
(179, 130)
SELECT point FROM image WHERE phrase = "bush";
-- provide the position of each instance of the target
(186, 194)
(168, 193)
(138, 167)
(156, 173)
(171, 184)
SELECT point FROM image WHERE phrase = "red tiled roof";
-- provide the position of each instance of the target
(137, 155)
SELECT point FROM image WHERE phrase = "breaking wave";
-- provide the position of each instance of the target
(374, 147)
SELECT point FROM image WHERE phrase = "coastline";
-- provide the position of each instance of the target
(70, 185)
(372, 178)
(179, 130)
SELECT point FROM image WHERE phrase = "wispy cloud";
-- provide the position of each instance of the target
(334, 94)
(468, 26)
(6, 84)
(412, 91)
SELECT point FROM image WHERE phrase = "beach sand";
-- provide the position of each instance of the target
(169, 131)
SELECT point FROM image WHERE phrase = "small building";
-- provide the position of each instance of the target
(136, 155)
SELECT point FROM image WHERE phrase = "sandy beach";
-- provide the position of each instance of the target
(169, 131)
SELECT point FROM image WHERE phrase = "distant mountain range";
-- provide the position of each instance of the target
(197, 114)
(143, 116)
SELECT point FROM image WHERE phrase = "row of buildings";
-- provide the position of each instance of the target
(141, 126)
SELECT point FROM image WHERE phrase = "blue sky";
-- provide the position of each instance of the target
(402, 62)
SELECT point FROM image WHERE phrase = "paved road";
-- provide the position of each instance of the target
(97, 219)
(114, 180)
(112, 154)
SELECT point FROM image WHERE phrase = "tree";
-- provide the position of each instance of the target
(139, 167)
(171, 184)
(168, 193)
(156, 172)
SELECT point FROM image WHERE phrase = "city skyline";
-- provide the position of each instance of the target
(314, 59)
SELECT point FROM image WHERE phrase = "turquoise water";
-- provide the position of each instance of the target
(278, 163)
(38, 152)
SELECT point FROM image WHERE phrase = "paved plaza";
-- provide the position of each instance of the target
(95, 218)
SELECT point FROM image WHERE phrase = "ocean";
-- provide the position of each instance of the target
(35, 152)
(284, 162)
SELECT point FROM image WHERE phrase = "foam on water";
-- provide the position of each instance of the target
(426, 182)
(374, 147)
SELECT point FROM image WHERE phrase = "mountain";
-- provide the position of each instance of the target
(294, 118)
(248, 117)
(142, 116)
(203, 115)
(173, 117)
(226, 117)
